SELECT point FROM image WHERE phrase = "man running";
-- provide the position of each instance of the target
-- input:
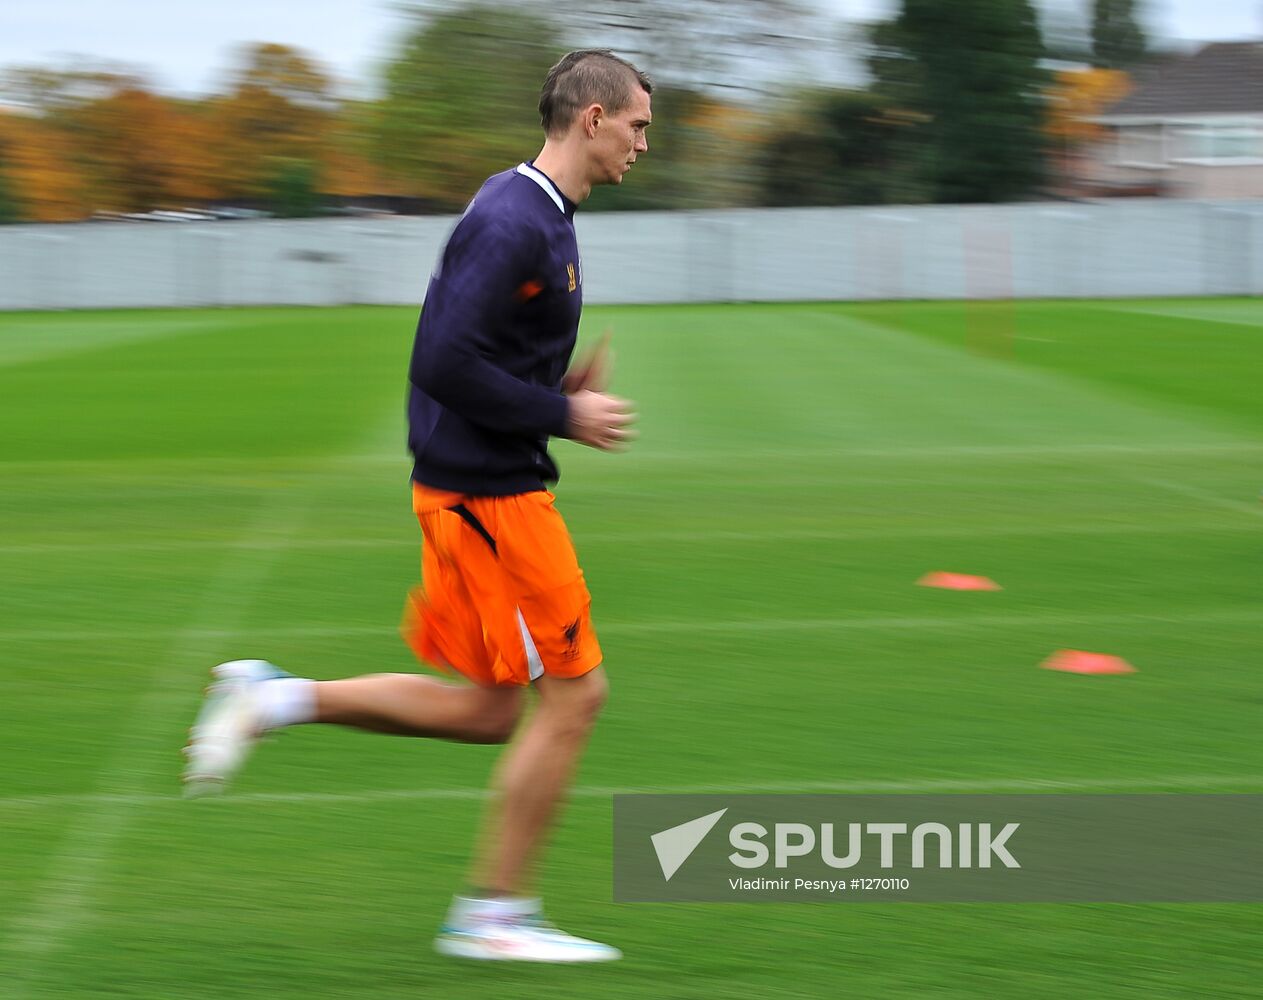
(504, 602)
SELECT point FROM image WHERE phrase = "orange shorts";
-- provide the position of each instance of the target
(503, 599)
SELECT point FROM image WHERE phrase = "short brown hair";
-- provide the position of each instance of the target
(584, 77)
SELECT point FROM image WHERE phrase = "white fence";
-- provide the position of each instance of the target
(1108, 249)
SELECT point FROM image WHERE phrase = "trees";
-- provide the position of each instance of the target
(49, 90)
(349, 164)
(10, 211)
(140, 151)
(955, 113)
(1076, 97)
(51, 143)
(277, 114)
(971, 70)
(457, 104)
(702, 45)
(41, 171)
(459, 96)
(1118, 41)
(700, 149)
(97, 137)
(840, 147)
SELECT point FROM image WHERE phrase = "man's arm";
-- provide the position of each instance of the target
(596, 418)
(482, 271)
(482, 268)
(592, 369)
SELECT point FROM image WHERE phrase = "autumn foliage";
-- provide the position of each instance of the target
(76, 142)
(277, 135)
(454, 107)
(1076, 96)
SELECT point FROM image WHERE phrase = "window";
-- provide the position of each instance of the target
(1218, 142)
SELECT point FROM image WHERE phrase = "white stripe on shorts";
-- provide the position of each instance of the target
(534, 664)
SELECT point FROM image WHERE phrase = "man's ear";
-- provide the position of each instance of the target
(590, 118)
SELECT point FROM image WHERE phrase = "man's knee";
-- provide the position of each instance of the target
(596, 693)
(575, 702)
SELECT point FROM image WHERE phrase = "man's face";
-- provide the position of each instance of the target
(620, 138)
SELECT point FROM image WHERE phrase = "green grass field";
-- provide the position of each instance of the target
(179, 488)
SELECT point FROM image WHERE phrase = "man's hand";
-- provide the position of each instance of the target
(591, 370)
(599, 420)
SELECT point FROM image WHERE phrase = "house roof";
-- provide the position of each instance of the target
(1220, 78)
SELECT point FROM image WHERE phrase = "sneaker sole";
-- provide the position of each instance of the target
(201, 787)
(456, 948)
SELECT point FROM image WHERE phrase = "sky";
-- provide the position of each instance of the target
(187, 47)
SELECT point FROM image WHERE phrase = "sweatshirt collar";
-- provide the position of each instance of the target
(564, 204)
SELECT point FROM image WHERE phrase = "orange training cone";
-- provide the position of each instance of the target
(957, 581)
(1076, 661)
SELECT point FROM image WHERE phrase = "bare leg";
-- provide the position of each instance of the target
(532, 777)
(410, 705)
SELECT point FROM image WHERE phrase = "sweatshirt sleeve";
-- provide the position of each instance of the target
(482, 267)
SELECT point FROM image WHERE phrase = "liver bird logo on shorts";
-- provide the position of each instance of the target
(572, 640)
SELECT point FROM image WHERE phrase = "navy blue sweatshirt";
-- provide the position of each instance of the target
(497, 329)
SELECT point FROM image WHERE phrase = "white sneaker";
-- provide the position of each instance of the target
(227, 726)
(512, 931)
